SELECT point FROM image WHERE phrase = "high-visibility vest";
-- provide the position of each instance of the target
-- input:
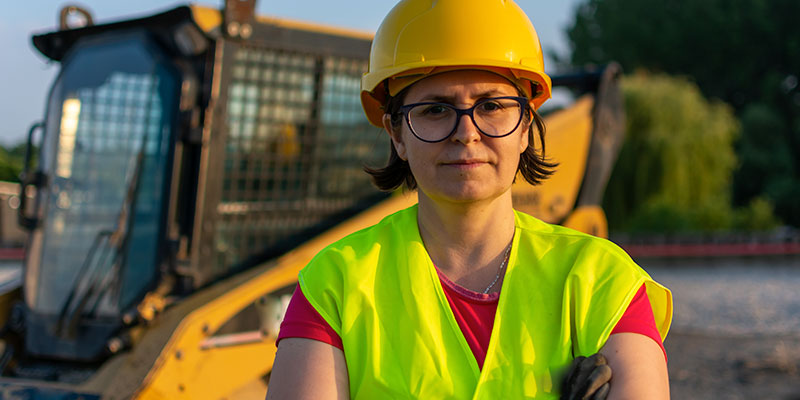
(562, 294)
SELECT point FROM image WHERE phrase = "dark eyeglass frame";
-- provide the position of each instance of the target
(523, 102)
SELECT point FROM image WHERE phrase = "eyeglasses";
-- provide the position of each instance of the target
(494, 117)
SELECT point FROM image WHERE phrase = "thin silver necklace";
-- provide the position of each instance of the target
(499, 270)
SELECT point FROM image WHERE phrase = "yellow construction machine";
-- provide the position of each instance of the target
(190, 164)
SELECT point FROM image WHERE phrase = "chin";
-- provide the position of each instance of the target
(465, 194)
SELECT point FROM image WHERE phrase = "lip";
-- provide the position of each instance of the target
(465, 163)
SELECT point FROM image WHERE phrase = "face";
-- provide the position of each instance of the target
(467, 166)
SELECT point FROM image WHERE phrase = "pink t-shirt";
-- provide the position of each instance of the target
(473, 311)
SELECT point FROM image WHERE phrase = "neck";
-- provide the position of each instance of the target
(467, 241)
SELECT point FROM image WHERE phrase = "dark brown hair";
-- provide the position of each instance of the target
(533, 166)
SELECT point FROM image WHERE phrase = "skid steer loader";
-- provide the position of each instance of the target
(190, 163)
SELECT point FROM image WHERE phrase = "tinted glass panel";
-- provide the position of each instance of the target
(107, 159)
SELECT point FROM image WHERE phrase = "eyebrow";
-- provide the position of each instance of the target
(450, 99)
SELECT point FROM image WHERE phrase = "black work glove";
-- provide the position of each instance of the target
(587, 379)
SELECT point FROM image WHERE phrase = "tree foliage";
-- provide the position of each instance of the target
(744, 52)
(675, 166)
(11, 163)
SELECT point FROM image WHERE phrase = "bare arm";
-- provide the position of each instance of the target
(308, 369)
(638, 365)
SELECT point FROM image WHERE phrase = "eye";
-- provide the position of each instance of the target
(490, 106)
(433, 109)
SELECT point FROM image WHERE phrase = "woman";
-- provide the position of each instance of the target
(461, 296)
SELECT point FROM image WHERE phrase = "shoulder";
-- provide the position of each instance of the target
(594, 271)
(393, 227)
(583, 250)
(332, 276)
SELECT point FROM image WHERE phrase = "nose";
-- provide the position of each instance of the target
(466, 131)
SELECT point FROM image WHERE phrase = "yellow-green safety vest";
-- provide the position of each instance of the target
(562, 294)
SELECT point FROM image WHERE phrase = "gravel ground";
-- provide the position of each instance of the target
(736, 327)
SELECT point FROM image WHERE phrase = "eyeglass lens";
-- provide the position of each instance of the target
(493, 117)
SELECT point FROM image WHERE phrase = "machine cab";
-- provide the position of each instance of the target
(177, 151)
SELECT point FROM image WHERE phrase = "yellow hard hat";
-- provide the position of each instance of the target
(422, 37)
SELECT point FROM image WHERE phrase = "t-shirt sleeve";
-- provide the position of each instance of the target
(303, 321)
(638, 318)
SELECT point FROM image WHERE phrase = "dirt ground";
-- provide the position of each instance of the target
(705, 367)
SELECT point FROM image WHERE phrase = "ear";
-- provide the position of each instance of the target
(396, 135)
(524, 139)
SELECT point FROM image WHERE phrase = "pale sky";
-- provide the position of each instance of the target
(25, 75)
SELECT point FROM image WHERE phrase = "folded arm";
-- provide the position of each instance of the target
(639, 367)
(308, 369)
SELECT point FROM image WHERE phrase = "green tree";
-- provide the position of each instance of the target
(744, 52)
(675, 166)
(10, 165)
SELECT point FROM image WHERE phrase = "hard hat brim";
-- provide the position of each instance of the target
(373, 94)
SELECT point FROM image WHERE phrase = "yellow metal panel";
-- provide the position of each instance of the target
(206, 18)
(588, 219)
(307, 26)
(568, 137)
(184, 370)
(209, 18)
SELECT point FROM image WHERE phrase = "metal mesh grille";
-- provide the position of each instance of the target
(297, 144)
